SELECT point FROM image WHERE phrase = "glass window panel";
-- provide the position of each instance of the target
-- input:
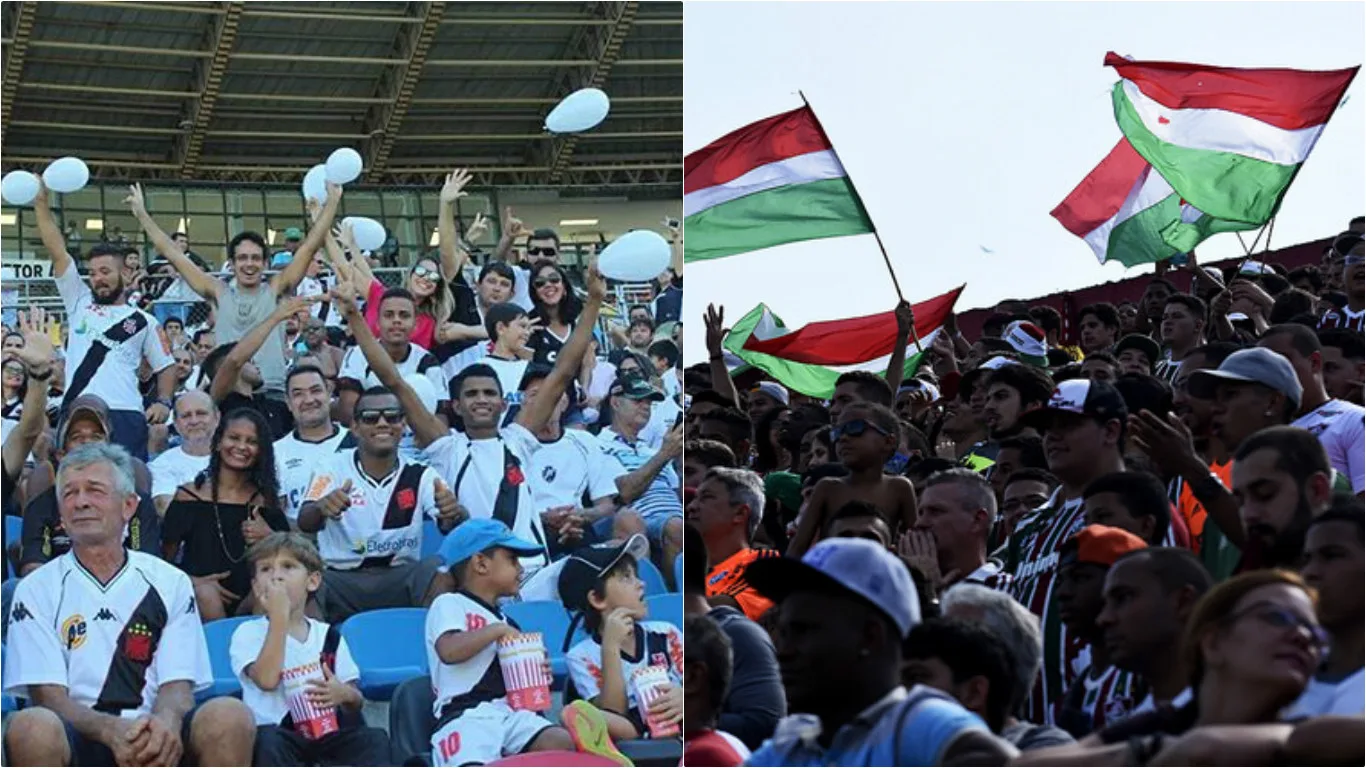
(204, 200)
(367, 204)
(120, 227)
(410, 234)
(285, 203)
(87, 199)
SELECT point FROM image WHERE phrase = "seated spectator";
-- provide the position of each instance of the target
(227, 508)
(1289, 471)
(859, 520)
(1025, 491)
(396, 311)
(1137, 354)
(1133, 502)
(1344, 363)
(1100, 366)
(1333, 567)
(1013, 454)
(196, 420)
(706, 683)
(284, 656)
(948, 543)
(700, 455)
(130, 688)
(727, 512)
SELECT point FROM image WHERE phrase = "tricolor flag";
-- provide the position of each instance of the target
(772, 182)
(1229, 141)
(810, 359)
(1128, 213)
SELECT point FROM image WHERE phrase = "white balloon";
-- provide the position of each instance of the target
(344, 166)
(635, 257)
(579, 111)
(66, 175)
(19, 187)
(315, 183)
(426, 391)
(368, 233)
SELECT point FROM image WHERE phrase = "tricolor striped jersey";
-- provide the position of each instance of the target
(1344, 318)
(1167, 368)
(1099, 698)
(1032, 558)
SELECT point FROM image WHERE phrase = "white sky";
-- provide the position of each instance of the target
(963, 124)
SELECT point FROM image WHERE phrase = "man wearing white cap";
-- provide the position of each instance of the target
(844, 610)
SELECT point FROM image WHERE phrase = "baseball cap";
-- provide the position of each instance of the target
(1215, 273)
(474, 536)
(1255, 365)
(634, 387)
(1253, 267)
(294, 233)
(1345, 242)
(917, 385)
(582, 569)
(1029, 341)
(1096, 399)
(281, 259)
(858, 566)
(774, 390)
(1143, 344)
(89, 405)
(1100, 545)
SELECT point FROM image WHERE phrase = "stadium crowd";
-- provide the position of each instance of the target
(224, 541)
(1142, 550)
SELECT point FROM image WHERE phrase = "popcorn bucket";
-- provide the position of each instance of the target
(310, 720)
(522, 658)
(649, 683)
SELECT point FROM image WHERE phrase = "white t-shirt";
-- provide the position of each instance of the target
(116, 378)
(354, 366)
(658, 644)
(475, 469)
(521, 288)
(662, 418)
(111, 646)
(600, 383)
(296, 459)
(569, 466)
(472, 681)
(302, 662)
(1341, 428)
(323, 310)
(370, 532)
(1347, 697)
(173, 469)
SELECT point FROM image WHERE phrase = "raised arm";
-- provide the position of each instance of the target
(534, 415)
(289, 277)
(453, 255)
(50, 233)
(905, 325)
(199, 281)
(226, 377)
(360, 275)
(427, 428)
(675, 245)
(513, 228)
(715, 321)
(36, 355)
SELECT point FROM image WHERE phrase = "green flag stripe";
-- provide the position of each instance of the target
(1158, 233)
(828, 208)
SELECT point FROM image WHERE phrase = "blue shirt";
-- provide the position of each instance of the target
(661, 498)
(903, 728)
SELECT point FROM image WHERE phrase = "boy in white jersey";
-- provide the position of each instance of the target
(601, 583)
(475, 722)
(298, 677)
(367, 506)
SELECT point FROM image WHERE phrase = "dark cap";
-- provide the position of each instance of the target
(582, 569)
(1144, 344)
(634, 387)
(1096, 399)
(85, 405)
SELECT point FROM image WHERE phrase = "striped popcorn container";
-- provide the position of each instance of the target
(310, 720)
(649, 683)
(522, 658)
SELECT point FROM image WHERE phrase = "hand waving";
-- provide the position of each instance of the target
(454, 188)
(477, 228)
(37, 352)
(136, 201)
(513, 226)
(715, 321)
(595, 282)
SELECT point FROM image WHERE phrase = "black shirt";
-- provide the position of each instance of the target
(756, 700)
(212, 535)
(45, 538)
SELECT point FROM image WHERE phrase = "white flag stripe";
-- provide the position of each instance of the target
(1219, 130)
(1149, 190)
(812, 166)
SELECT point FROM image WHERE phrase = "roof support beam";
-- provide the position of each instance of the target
(397, 86)
(608, 50)
(221, 35)
(14, 60)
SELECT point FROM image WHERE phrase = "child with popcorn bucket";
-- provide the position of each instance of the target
(630, 668)
(492, 681)
(298, 677)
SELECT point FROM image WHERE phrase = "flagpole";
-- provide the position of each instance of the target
(876, 235)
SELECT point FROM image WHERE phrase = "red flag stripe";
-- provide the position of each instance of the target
(1100, 195)
(1286, 98)
(855, 340)
(744, 149)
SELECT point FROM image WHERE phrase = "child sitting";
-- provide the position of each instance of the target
(297, 674)
(475, 722)
(601, 583)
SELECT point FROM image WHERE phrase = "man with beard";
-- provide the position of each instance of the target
(1340, 426)
(1282, 480)
(842, 675)
(315, 435)
(1344, 363)
(1195, 415)
(1333, 565)
(109, 339)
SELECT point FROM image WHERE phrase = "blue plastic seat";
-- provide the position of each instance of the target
(678, 572)
(8, 703)
(389, 646)
(218, 634)
(666, 607)
(431, 538)
(552, 620)
(14, 534)
(654, 580)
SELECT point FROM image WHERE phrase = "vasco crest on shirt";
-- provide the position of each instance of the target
(138, 643)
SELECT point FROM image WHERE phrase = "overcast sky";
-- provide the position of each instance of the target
(963, 124)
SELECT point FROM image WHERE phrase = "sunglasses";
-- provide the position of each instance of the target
(426, 274)
(371, 418)
(550, 251)
(854, 428)
(542, 282)
(1281, 618)
(14, 370)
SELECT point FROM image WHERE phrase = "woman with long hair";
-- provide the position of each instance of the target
(769, 454)
(431, 293)
(229, 506)
(555, 308)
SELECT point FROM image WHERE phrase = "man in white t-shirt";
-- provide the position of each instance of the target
(107, 644)
(1339, 425)
(485, 465)
(367, 506)
(314, 439)
(1334, 565)
(109, 340)
(397, 318)
(196, 417)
